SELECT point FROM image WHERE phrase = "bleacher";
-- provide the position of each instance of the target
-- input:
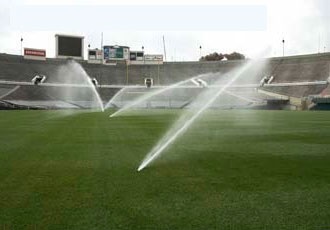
(308, 68)
(289, 69)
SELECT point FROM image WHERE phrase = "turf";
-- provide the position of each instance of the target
(231, 170)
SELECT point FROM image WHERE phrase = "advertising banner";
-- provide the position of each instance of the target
(34, 54)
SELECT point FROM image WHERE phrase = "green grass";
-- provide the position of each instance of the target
(231, 170)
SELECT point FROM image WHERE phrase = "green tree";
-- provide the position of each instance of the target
(219, 56)
(235, 56)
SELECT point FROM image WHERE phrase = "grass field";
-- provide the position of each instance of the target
(231, 170)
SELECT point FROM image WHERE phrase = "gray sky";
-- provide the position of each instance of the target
(246, 26)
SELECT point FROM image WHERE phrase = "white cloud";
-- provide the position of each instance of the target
(299, 22)
(141, 2)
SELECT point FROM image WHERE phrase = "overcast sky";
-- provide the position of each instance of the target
(246, 26)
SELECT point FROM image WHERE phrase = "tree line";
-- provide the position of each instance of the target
(219, 56)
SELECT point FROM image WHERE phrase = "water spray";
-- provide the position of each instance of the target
(92, 83)
(175, 132)
(114, 97)
(154, 93)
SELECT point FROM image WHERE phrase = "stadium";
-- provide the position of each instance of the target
(135, 142)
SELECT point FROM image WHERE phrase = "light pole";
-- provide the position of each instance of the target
(283, 41)
(21, 46)
(200, 52)
(126, 73)
(143, 54)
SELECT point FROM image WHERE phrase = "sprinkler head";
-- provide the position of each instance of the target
(139, 169)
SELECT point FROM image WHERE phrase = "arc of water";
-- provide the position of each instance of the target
(172, 135)
(239, 97)
(98, 97)
(114, 97)
(99, 100)
(90, 84)
(10, 92)
(154, 93)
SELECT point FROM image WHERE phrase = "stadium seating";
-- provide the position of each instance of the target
(288, 69)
